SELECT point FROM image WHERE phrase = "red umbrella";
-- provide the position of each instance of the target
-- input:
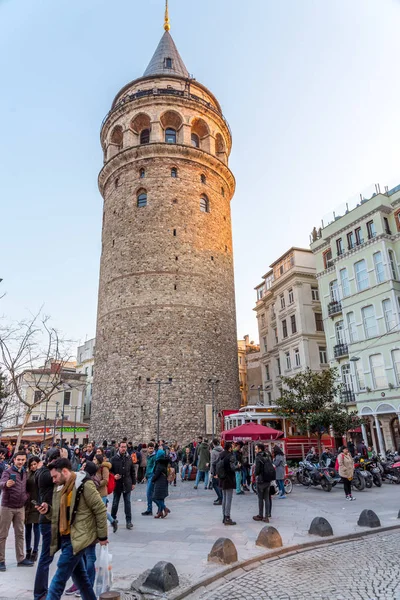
(251, 432)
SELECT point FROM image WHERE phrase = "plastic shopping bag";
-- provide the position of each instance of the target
(103, 581)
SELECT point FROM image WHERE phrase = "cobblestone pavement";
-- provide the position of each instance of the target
(364, 569)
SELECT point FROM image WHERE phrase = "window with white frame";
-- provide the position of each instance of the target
(378, 372)
(396, 364)
(291, 296)
(388, 314)
(323, 357)
(297, 357)
(360, 269)
(339, 331)
(35, 417)
(293, 323)
(346, 376)
(267, 376)
(369, 321)
(265, 344)
(278, 364)
(344, 280)
(288, 361)
(315, 294)
(352, 327)
(334, 291)
(282, 299)
(379, 268)
(263, 320)
(360, 375)
(393, 267)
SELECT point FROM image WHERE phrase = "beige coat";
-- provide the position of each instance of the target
(346, 465)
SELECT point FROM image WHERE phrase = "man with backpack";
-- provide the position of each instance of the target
(123, 470)
(265, 474)
(226, 468)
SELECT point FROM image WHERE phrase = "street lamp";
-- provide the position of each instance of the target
(159, 383)
(213, 381)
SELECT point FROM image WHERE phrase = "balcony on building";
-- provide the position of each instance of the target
(347, 395)
(340, 350)
(334, 308)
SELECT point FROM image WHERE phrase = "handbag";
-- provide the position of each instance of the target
(103, 581)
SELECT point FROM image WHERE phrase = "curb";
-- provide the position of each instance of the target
(255, 561)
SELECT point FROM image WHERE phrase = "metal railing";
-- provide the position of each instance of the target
(334, 307)
(340, 350)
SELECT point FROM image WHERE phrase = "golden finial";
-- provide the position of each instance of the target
(167, 25)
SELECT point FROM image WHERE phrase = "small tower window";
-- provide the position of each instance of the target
(204, 204)
(195, 140)
(174, 172)
(203, 178)
(142, 173)
(167, 63)
(223, 192)
(142, 200)
(116, 182)
(145, 136)
(170, 136)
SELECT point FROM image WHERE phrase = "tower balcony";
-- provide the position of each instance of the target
(340, 350)
(334, 308)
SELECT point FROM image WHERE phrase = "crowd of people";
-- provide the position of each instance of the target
(60, 495)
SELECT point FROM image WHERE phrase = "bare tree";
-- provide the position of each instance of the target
(33, 356)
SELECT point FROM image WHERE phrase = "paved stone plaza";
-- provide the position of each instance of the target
(187, 535)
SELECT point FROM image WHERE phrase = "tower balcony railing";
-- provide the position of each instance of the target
(340, 350)
(334, 308)
(347, 395)
(166, 92)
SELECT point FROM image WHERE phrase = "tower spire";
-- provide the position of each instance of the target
(167, 25)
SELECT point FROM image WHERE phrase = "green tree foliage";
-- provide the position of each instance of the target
(310, 401)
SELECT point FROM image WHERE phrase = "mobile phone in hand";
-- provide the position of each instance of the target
(34, 503)
(13, 477)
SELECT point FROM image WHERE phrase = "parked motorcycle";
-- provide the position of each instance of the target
(370, 465)
(389, 468)
(360, 468)
(311, 474)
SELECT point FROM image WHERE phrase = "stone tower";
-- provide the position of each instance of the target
(166, 306)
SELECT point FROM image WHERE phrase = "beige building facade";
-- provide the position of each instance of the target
(249, 371)
(289, 321)
(166, 306)
(85, 365)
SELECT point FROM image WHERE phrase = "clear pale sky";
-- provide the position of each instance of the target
(311, 90)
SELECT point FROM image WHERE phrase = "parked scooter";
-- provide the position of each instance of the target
(360, 466)
(370, 465)
(311, 474)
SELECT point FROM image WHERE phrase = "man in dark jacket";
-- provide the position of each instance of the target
(215, 454)
(263, 482)
(13, 499)
(125, 480)
(227, 479)
(3, 464)
(45, 486)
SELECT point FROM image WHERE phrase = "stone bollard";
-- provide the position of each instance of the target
(320, 526)
(162, 577)
(368, 519)
(224, 551)
(269, 537)
(110, 596)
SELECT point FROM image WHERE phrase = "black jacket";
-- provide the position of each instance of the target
(160, 480)
(187, 459)
(261, 458)
(230, 467)
(45, 487)
(123, 465)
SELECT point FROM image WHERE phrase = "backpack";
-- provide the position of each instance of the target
(268, 473)
(220, 468)
(110, 484)
(171, 475)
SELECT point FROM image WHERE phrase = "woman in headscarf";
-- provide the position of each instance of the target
(160, 481)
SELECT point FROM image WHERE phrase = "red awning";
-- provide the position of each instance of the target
(356, 430)
(251, 432)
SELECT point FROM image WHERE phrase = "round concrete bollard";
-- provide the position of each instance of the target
(163, 577)
(110, 596)
(224, 551)
(269, 537)
(368, 519)
(320, 526)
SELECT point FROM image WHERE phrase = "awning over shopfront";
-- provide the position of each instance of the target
(251, 432)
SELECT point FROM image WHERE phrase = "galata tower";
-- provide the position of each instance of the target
(166, 348)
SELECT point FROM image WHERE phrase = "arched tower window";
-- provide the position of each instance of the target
(203, 178)
(167, 63)
(170, 135)
(174, 172)
(195, 140)
(117, 136)
(204, 204)
(142, 173)
(219, 144)
(142, 199)
(145, 136)
(223, 192)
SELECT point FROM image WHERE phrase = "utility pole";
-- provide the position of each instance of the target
(45, 422)
(159, 383)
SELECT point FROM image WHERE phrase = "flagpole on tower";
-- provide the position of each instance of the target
(167, 25)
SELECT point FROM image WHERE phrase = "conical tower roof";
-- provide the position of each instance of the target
(166, 59)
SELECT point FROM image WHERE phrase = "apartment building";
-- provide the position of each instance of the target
(85, 365)
(357, 260)
(249, 371)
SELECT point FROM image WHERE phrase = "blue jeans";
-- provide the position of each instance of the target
(70, 565)
(281, 485)
(90, 560)
(45, 560)
(186, 468)
(28, 536)
(206, 474)
(149, 493)
(217, 489)
(238, 477)
(160, 504)
(109, 517)
(127, 505)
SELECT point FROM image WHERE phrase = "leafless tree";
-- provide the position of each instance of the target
(33, 355)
